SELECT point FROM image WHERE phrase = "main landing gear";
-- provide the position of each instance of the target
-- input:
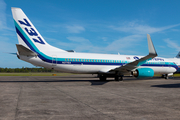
(102, 77)
(118, 78)
(165, 76)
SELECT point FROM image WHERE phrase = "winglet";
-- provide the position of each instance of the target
(151, 46)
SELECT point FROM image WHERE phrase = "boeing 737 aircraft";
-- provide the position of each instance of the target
(34, 49)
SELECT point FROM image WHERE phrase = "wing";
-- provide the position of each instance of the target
(133, 65)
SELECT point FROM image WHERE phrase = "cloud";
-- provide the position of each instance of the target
(136, 28)
(2, 15)
(104, 38)
(172, 44)
(6, 33)
(75, 28)
(121, 44)
(80, 43)
(3, 20)
(78, 39)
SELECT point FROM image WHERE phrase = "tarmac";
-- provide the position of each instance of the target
(84, 97)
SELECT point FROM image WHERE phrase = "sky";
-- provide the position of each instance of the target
(95, 26)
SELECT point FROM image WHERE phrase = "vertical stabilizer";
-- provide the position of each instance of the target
(28, 35)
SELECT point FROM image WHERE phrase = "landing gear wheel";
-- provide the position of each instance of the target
(116, 78)
(166, 76)
(121, 78)
(163, 76)
(102, 78)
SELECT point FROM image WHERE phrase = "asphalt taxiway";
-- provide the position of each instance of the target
(83, 97)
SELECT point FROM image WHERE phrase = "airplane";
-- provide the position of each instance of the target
(34, 49)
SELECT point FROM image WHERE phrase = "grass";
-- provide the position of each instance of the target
(50, 74)
(176, 75)
(35, 74)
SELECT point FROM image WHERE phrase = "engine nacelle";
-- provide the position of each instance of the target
(143, 72)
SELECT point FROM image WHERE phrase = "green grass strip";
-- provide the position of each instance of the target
(35, 74)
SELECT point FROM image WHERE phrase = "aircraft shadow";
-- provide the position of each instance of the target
(177, 85)
(93, 82)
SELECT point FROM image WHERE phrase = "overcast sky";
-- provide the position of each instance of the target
(95, 26)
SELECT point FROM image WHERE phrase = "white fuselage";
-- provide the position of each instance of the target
(97, 63)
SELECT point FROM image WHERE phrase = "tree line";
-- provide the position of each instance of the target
(25, 69)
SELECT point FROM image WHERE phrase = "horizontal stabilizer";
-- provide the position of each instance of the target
(13, 53)
(25, 51)
(70, 50)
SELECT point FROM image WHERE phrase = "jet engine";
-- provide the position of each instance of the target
(143, 72)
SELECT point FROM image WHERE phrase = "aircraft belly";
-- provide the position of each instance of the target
(81, 68)
(163, 70)
(68, 67)
(35, 61)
